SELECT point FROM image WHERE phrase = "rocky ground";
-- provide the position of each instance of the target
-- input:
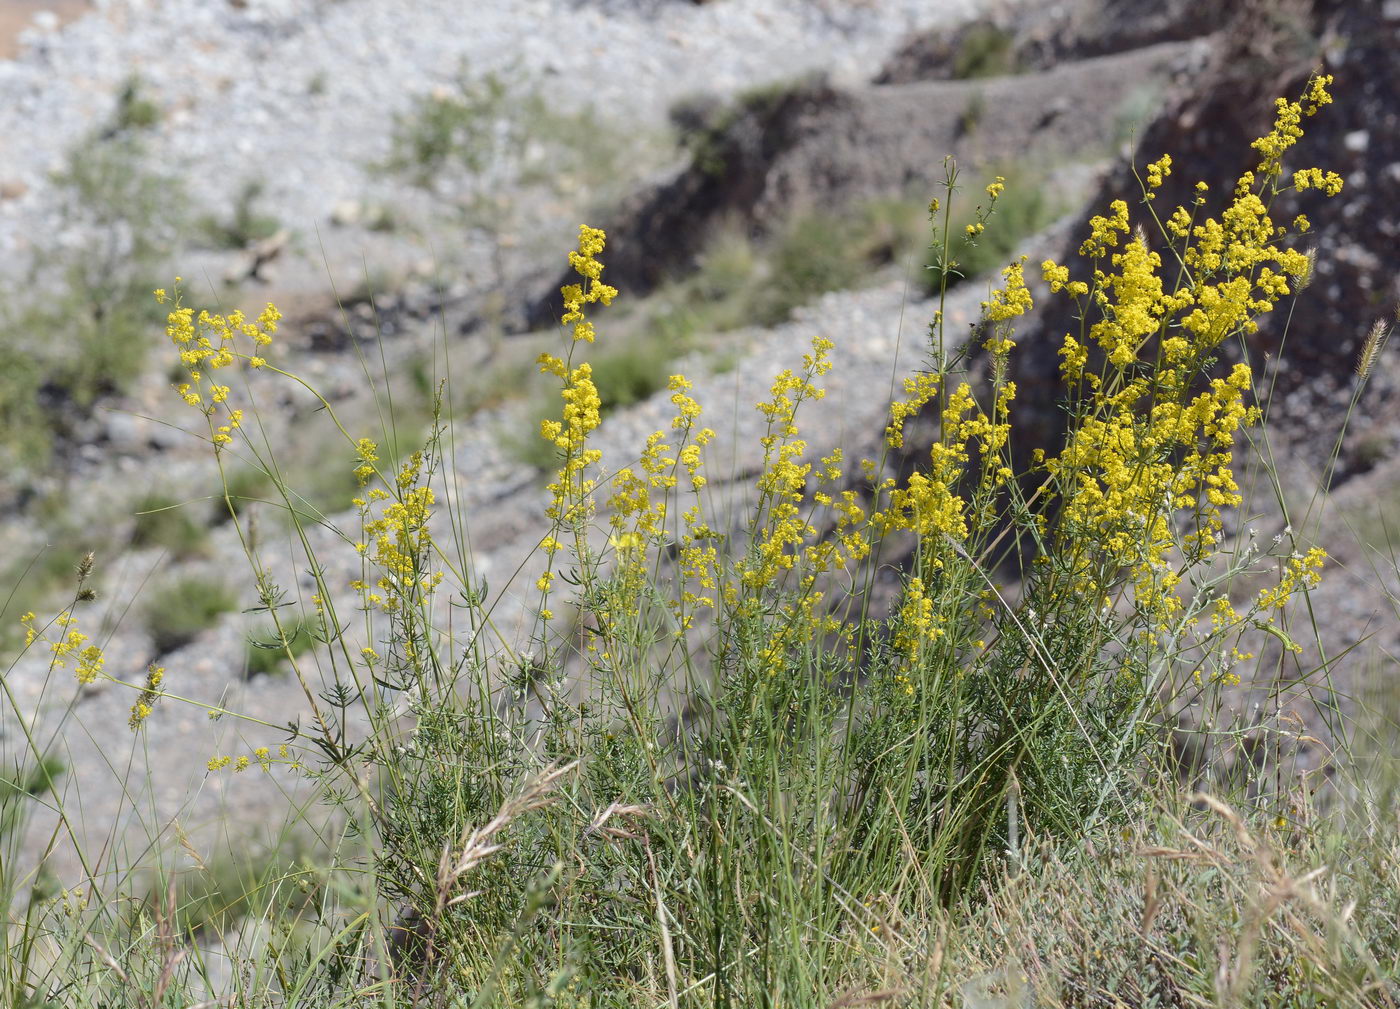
(302, 94)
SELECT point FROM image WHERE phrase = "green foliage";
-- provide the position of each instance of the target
(626, 377)
(740, 281)
(985, 51)
(168, 524)
(813, 255)
(247, 224)
(267, 653)
(178, 613)
(134, 111)
(250, 880)
(244, 487)
(83, 326)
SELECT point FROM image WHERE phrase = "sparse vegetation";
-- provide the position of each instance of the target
(985, 50)
(84, 324)
(267, 653)
(247, 224)
(178, 613)
(167, 524)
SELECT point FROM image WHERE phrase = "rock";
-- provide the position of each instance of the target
(347, 213)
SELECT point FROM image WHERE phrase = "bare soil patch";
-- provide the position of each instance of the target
(17, 15)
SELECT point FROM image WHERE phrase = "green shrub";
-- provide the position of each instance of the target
(246, 226)
(630, 376)
(244, 487)
(84, 322)
(134, 110)
(985, 51)
(168, 524)
(813, 255)
(180, 612)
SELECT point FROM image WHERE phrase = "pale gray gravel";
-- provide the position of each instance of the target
(302, 93)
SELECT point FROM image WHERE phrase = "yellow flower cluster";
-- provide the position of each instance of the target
(779, 527)
(1011, 300)
(1125, 471)
(1135, 494)
(367, 452)
(208, 343)
(581, 418)
(67, 645)
(919, 389)
(1158, 171)
(1287, 129)
(262, 756)
(917, 626)
(572, 489)
(1149, 446)
(637, 516)
(399, 541)
(586, 265)
(930, 504)
(1303, 571)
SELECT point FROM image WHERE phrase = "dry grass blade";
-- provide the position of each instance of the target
(870, 998)
(477, 845)
(600, 823)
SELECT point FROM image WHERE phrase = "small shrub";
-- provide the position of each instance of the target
(82, 325)
(972, 113)
(247, 224)
(986, 51)
(630, 376)
(168, 524)
(177, 614)
(813, 255)
(244, 487)
(134, 111)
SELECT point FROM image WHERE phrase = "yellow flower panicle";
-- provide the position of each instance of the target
(399, 542)
(1153, 448)
(592, 290)
(208, 343)
(572, 488)
(780, 529)
(67, 644)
